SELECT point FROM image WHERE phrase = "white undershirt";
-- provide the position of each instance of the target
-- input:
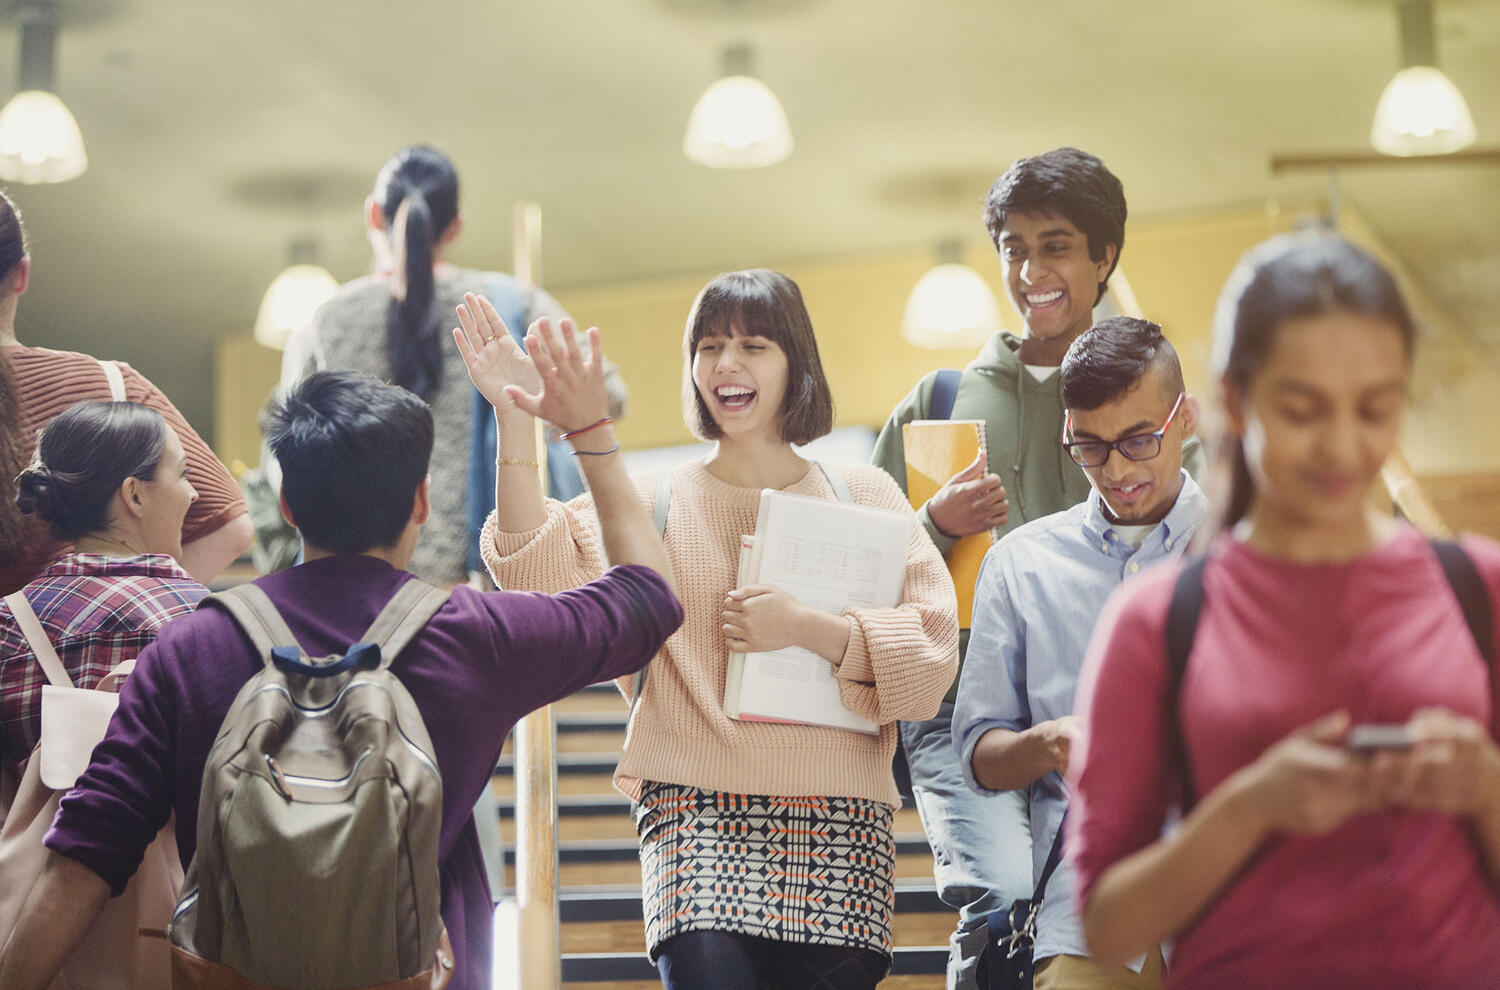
(1134, 535)
(1041, 372)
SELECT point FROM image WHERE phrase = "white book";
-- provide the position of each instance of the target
(833, 556)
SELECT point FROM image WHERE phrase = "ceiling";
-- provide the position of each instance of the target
(219, 132)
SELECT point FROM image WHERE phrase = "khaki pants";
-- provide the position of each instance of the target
(1083, 973)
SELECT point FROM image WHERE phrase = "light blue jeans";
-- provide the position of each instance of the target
(981, 845)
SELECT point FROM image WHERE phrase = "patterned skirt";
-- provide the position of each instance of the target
(794, 869)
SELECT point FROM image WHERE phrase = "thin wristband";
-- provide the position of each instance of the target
(516, 462)
(597, 453)
(592, 426)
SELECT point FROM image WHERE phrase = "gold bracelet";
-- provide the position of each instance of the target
(516, 462)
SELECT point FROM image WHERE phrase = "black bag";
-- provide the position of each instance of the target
(1007, 961)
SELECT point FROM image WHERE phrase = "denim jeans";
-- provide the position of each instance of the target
(981, 844)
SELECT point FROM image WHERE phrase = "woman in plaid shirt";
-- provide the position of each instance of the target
(110, 478)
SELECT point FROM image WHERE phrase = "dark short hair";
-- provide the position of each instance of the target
(1110, 357)
(1068, 183)
(83, 457)
(353, 452)
(1287, 278)
(762, 303)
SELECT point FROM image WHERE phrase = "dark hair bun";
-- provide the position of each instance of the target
(37, 492)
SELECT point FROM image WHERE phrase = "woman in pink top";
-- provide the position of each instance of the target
(1304, 862)
(766, 849)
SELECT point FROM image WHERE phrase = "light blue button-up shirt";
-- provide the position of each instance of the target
(1038, 595)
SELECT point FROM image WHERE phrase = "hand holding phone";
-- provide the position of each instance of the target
(1375, 738)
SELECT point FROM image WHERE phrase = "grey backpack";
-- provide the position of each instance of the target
(317, 858)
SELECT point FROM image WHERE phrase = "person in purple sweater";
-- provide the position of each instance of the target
(354, 455)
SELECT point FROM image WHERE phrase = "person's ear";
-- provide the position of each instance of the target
(374, 216)
(421, 506)
(1105, 264)
(1234, 412)
(21, 275)
(130, 495)
(451, 232)
(286, 510)
(1189, 414)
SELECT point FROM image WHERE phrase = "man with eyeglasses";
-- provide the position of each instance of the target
(1042, 587)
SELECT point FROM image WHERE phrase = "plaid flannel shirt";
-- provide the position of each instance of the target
(98, 611)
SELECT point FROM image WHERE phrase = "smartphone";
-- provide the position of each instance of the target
(1372, 738)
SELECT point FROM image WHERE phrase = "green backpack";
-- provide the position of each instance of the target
(318, 824)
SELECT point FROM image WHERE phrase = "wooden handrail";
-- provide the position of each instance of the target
(1407, 495)
(539, 938)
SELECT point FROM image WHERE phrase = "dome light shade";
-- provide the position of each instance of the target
(950, 307)
(39, 140)
(290, 302)
(737, 122)
(1421, 112)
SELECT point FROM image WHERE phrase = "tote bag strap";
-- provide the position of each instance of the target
(116, 380)
(41, 647)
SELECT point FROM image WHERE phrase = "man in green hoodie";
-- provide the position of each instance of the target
(1058, 223)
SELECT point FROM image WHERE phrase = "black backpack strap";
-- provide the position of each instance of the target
(252, 609)
(1473, 598)
(403, 617)
(1182, 626)
(944, 392)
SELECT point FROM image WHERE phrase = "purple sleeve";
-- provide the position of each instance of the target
(1120, 769)
(607, 628)
(125, 796)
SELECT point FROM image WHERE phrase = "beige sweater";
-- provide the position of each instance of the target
(898, 664)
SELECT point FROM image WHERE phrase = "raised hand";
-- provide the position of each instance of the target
(572, 395)
(490, 353)
(971, 501)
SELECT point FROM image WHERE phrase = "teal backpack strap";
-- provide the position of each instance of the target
(835, 481)
(251, 608)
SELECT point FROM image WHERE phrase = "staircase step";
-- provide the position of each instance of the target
(615, 967)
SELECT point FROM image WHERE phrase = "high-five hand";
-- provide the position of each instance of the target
(490, 353)
(571, 393)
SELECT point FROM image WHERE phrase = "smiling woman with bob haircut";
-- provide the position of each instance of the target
(753, 383)
(1329, 741)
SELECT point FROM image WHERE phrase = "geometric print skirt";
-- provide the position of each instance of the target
(794, 869)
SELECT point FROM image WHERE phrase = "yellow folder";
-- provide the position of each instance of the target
(936, 450)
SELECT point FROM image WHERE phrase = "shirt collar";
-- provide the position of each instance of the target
(91, 564)
(1179, 525)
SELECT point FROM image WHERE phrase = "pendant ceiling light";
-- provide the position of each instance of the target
(1421, 112)
(951, 306)
(293, 297)
(737, 122)
(39, 139)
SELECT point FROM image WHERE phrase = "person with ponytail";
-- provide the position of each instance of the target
(391, 325)
(1314, 695)
(38, 383)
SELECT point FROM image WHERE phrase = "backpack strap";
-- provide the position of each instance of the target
(1468, 588)
(836, 482)
(1182, 626)
(944, 392)
(116, 380)
(36, 638)
(403, 617)
(251, 608)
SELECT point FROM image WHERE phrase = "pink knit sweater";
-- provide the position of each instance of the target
(898, 664)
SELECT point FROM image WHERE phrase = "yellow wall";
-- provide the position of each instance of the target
(1175, 265)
